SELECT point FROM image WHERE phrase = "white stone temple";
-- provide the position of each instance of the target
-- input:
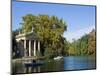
(29, 44)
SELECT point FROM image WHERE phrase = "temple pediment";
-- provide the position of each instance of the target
(27, 36)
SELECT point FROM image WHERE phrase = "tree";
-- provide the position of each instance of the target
(66, 47)
(14, 45)
(86, 45)
(92, 43)
(15, 50)
(49, 30)
(79, 47)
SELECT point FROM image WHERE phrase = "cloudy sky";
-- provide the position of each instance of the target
(79, 19)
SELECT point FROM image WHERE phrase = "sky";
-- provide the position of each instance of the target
(79, 19)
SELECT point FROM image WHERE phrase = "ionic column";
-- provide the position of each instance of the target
(29, 47)
(25, 48)
(39, 47)
(34, 47)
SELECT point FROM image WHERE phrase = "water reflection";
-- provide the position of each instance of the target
(72, 63)
(32, 69)
(66, 64)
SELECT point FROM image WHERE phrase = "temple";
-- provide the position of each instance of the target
(28, 43)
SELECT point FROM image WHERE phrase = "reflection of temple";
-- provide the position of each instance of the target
(32, 69)
(28, 44)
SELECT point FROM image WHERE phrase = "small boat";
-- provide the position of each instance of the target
(58, 57)
(34, 63)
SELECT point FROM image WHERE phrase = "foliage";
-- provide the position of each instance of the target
(92, 43)
(86, 45)
(49, 30)
(15, 51)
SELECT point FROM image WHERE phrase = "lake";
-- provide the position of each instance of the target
(68, 63)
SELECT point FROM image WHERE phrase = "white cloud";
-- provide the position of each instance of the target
(77, 34)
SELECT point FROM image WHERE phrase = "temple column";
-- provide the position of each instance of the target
(25, 48)
(39, 47)
(34, 47)
(29, 47)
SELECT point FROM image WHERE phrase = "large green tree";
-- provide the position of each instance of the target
(49, 30)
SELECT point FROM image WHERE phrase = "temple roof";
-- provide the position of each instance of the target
(29, 35)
